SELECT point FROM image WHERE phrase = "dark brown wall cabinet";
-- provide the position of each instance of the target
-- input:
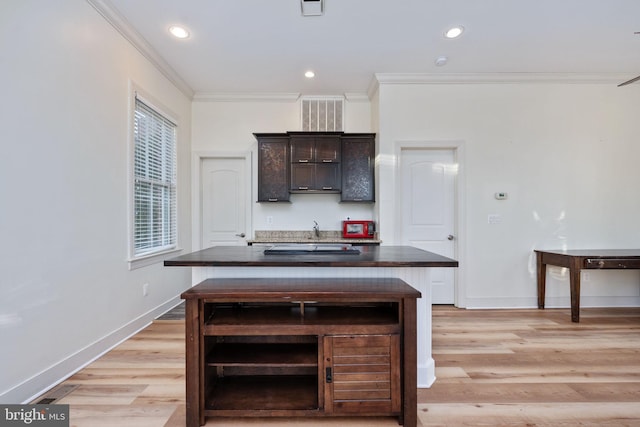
(358, 156)
(316, 162)
(273, 168)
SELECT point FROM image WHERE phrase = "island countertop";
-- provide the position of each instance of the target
(369, 256)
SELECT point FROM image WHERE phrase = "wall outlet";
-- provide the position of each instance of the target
(145, 289)
(269, 220)
(586, 276)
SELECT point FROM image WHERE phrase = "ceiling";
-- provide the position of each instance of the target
(265, 46)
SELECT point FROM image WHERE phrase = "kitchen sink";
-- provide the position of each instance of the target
(311, 249)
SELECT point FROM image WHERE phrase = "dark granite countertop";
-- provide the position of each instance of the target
(369, 256)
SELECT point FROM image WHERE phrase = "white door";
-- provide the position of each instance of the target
(428, 178)
(223, 201)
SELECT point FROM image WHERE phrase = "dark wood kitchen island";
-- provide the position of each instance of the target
(288, 328)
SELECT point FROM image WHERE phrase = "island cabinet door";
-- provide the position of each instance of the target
(362, 374)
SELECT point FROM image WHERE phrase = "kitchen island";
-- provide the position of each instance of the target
(389, 277)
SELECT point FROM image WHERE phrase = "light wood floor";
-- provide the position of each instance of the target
(493, 368)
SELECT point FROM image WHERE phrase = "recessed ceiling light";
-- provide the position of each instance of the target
(179, 32)
(309, 74)
(454, 32)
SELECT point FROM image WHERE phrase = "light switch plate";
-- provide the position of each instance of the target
(494, 219)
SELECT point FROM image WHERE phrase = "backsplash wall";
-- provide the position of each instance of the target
(326, 209)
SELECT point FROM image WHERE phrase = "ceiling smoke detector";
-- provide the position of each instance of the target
(441, 61)
(312, 7)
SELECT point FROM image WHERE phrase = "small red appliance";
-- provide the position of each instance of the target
(353, 229)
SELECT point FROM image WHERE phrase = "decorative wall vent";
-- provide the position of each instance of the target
(322, 114)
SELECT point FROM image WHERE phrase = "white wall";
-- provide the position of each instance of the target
(227, 126)
(565, 153)
(67, 292)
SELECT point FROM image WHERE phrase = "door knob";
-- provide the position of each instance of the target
(450, 237)
(241, 235)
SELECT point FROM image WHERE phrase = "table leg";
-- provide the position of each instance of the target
(542, 279)
(574, 279)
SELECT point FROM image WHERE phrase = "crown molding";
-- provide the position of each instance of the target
(494, 78)
(373, 87)
(271, 97)
(124, 27)
(356, 97)
(245, 97)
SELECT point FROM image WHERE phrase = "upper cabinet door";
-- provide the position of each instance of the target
(315, 163)
(358, 179)
(315, 149)
(302, 150)
(327, 149)
(273, 169)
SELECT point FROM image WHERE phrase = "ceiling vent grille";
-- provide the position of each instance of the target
(322, 114)
(312, 7)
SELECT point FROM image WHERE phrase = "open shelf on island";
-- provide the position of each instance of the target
(264, 393)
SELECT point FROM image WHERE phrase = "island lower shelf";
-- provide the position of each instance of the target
(289, 348)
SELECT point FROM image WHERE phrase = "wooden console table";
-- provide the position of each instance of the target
(577, 260)
(284, 347)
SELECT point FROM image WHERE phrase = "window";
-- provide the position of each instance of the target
(154, 181)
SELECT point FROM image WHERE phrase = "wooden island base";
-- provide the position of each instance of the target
(301, 347)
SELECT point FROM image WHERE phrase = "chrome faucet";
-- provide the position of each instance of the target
(316, 229)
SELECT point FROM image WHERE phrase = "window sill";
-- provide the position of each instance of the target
(154, 258)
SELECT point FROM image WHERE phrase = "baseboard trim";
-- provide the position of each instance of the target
(38, 384)
(551, 302)
(427, 374)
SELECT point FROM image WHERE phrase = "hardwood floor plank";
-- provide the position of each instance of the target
(105, 415)
(145, 375)
(87, 394)
(605, 414)
(493, 368)
(162, 394)
(609, 392)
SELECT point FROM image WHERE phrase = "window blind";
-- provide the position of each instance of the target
(154, 223)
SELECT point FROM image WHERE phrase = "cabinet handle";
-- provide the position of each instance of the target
(327, 188)
(303, 161)
(303, 188)
(327, 160)
(329, 377)
(273, 200)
